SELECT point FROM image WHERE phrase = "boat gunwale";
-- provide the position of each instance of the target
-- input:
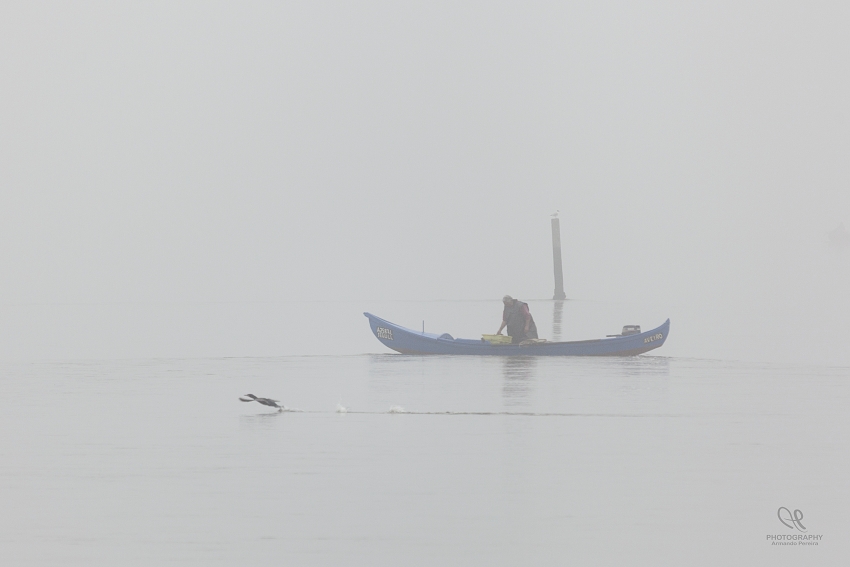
(483, 345)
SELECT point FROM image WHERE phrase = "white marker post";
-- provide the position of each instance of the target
(556, 256)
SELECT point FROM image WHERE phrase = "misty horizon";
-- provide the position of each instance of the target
(215, 153)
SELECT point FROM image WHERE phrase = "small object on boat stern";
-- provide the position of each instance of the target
(627, 330)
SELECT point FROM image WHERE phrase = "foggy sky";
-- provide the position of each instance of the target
(183, 153)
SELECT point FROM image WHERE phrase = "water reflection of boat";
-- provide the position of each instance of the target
(519, 377)
(408, 341)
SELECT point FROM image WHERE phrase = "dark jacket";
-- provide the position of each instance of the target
(515, 317)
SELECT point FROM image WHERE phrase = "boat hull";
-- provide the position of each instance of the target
(408, 341)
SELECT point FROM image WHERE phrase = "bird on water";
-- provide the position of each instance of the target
(265, 401)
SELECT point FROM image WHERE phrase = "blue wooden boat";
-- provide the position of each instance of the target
(408, 341)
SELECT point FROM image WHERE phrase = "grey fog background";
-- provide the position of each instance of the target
(197, 179)
(195, 194)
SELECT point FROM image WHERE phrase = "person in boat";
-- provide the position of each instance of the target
(517, 318)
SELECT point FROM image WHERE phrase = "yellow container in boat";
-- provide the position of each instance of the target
(497, 339)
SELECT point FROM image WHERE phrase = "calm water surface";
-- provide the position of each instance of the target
(647, 460)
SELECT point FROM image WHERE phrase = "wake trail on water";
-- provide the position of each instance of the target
(401, 410)
(341, 409)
